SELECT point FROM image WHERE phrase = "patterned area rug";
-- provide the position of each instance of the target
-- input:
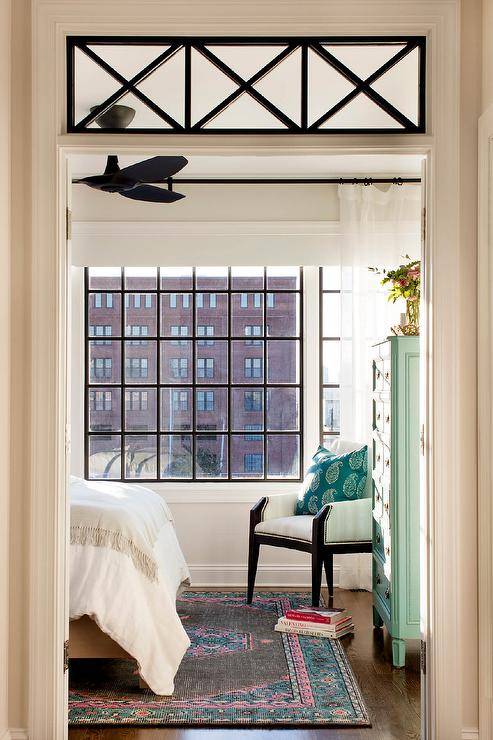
(237, 671)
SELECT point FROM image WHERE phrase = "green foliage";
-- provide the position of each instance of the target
(209, 462)
(405, 280)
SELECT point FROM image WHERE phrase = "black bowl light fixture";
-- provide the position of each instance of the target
(118, 116)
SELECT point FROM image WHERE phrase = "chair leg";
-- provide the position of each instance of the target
(329, 572)
(317, 562)
(253, 553)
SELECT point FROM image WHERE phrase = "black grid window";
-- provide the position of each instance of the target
(213, 392)
(330, 351)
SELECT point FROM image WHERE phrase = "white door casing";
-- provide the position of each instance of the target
(52, 21)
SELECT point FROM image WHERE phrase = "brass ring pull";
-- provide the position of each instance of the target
(387, 463)
(387, 550)
(378, 539)
(387, 419)
(378, 580)
(386, 507)
(387, 375)
(379, 416)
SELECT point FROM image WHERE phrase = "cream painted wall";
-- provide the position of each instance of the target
(215, 203)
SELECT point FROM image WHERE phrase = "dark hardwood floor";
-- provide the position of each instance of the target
(392, 695)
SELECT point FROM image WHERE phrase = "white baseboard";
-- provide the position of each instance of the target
(14, 733)
(470, 733)
(267, 575)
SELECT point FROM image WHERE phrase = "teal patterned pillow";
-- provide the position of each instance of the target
(333, 477)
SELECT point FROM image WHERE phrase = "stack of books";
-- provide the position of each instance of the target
(316, 622)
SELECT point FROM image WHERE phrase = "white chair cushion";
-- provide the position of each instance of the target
(348, 521)
(292, 527)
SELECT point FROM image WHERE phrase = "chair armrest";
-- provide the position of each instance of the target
(278, 505)
(349, 521)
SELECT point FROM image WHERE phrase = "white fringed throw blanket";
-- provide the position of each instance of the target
(114, 515)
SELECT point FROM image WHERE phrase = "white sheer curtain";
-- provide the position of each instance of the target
(379, 227)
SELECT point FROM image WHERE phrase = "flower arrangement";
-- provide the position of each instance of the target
(405, 282)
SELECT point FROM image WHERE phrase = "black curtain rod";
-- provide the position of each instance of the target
(294, 180)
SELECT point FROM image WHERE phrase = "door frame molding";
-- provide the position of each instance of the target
(52, 22)
(485, 421)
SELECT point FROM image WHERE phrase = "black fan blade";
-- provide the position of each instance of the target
(94, 181)
(156, 169)
(151, 194)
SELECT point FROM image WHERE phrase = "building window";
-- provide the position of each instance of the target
(179, 331)
(100, 400)
(205, 331)
(205, 367)
(136, 367)
(253, 462)
(136, 400)
(253, 437)
(253, 367)
(254, 330)
(100, 330)
(103, 300)
(180, 400)
(194, 388)
(252, 400)
(205, 400)
(271, 300)
(101, 368)
(179, 367)
(137, 330)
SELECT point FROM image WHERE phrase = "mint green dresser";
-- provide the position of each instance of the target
(396, 491)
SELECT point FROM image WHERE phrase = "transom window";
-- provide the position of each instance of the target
(312, 85)
(200, 399)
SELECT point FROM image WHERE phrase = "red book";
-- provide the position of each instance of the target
(320, 616)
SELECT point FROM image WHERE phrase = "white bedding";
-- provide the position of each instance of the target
(135, 611)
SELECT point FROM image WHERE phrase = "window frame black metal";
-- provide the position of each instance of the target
(122, 385)
(322, 340)
(290, 42)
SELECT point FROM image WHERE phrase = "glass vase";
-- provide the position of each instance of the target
(412, 318)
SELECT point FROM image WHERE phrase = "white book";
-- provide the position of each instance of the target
(313, 633)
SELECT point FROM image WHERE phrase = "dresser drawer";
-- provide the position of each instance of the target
(378, 545)
(381, 414)
(381, 456)
(377, 501)
(382, 544)
(381, 584)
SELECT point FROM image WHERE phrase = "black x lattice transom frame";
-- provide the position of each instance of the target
(290, 85)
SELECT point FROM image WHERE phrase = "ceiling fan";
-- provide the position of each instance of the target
(133, 181)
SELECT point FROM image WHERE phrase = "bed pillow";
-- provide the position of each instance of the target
(332, 477)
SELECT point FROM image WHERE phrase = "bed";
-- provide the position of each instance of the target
(126, 570)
